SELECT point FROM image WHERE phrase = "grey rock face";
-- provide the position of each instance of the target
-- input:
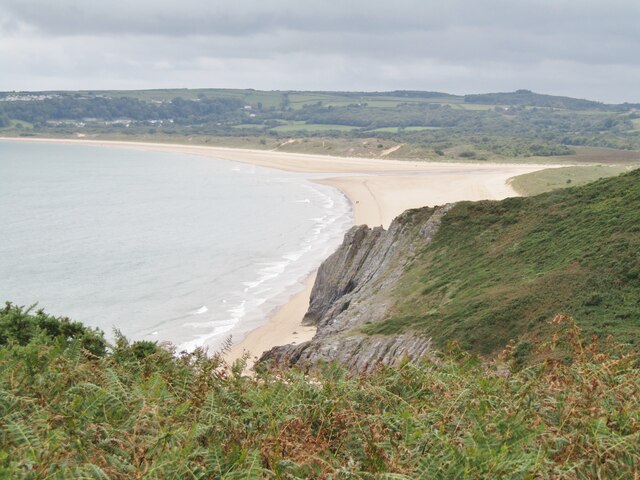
(353, 288)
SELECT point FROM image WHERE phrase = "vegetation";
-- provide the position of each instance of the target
(555, 178)
(18, 327)
(499, 126)
(528, 98)
(497, 271)
(67, 412)
(500, 279)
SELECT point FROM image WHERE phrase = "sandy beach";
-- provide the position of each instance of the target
(379, 190)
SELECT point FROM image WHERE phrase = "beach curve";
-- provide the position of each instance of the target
(378, 190)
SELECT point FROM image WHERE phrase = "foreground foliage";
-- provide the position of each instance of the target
(140, 411)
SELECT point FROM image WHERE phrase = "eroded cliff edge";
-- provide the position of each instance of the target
(353, 288)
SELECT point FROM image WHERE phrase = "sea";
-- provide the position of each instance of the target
(159, 246)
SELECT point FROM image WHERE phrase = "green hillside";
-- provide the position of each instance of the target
(500, 270)
(529, 98)
(543, 181)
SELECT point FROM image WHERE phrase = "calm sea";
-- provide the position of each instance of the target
(161, 246)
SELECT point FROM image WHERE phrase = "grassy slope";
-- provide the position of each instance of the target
(140, 412)
(499, 270)
(555, 178)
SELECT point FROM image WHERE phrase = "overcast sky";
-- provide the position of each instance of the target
(582, 48)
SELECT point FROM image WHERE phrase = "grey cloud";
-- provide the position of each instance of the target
(583, 48)
(241, 17)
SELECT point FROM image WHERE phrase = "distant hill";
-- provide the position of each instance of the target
(529, 98)
(426, 125)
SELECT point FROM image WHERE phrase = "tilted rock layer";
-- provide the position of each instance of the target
(353, 288)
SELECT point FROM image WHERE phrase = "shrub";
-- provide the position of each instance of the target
(573, 414)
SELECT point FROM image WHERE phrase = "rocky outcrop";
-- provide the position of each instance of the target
(354, 288)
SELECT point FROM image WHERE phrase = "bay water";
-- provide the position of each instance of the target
(161, 246)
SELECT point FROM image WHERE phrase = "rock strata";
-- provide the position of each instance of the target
(354, 287)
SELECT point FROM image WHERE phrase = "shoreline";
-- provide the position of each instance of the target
(377, 189)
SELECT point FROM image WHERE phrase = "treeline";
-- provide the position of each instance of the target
(71, 107)
(515, 120)
(531, 124)
(404, 115)
(529, 98)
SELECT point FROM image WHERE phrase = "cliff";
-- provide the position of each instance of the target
(480, 274)
(353, 289)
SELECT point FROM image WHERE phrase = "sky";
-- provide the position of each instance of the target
(580, 48)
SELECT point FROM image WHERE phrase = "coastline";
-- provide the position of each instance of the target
(378, 190)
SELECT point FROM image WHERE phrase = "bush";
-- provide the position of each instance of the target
(574, 414)
(19, 326)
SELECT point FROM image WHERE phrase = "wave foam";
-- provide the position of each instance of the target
(199, 311)
(275, 279)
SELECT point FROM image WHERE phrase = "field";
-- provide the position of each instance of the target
(311, 127)
(552, 179)
(17, 125)
(466, 106)
(609, 156)
(401, 129)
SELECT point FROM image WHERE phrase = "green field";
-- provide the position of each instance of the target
(471, 106)
(554, 178)
(249, 126)
(402, 129)
(18, 125)
(310, 127)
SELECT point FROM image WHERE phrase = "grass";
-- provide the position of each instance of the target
(17, 125)
(249, 126)
(594, 155)
(471, 106)
(554, 178)
(400, 129)
(141, 411)
(498, 271)
(311, 127)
